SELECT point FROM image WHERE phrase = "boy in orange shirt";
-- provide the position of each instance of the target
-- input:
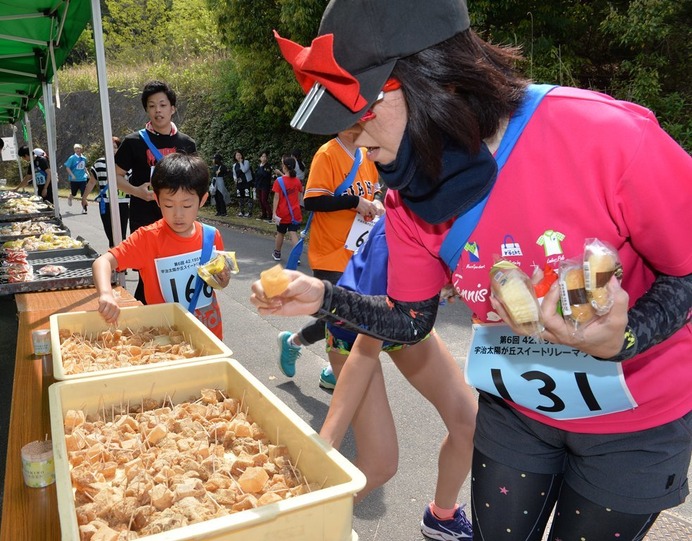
(167, 252)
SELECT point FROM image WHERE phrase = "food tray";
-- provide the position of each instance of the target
(63, 230)
(61, 255)
(58, 252)
(78, 262)
(43, 214)
(324, 514)
(136, 317)
(78, 275)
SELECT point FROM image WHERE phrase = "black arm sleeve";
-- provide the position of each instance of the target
(657, 315)
(378, 315)
(329, 203)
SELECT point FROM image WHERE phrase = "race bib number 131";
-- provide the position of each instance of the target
(554, 380)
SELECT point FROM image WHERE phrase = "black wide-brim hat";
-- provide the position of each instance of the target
(357, 47)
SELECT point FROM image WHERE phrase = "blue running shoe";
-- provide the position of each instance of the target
(288, 354)
(458, 527)
(327, 378)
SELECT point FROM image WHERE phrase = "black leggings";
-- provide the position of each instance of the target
(521, 514)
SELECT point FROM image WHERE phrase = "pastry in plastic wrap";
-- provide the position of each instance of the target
(601, 262)
(274, 281)
(217, 271)
(575, 305)
(513, 288)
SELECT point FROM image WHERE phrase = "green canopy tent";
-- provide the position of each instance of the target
(36, 36)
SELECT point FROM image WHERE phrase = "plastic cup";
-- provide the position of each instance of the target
(37, 464)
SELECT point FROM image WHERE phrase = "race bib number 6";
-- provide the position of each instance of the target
(554, 380)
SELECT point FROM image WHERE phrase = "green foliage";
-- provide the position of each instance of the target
(238, 92)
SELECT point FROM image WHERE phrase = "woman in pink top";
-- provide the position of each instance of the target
(595, 424)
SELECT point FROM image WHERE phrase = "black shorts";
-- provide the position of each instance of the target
(634, 472)
(283, 228)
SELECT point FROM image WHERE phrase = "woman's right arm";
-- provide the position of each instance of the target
(378, 316)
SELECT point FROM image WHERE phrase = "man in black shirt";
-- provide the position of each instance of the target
(140, 151)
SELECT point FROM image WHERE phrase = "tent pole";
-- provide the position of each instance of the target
(107, 129)
(27, 123)
(16, 146)
(52, 143)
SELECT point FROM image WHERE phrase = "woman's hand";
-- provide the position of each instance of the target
(602, 337)
(302, 297)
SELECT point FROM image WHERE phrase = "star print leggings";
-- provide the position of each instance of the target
(523, 470)
(500, 510)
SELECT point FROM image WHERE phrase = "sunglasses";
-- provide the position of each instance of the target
(391, 84)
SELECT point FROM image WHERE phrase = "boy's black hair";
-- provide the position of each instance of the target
(179, 171)
(154, 87)
(23, 150)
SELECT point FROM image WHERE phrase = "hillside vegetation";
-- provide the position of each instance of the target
(235, 91)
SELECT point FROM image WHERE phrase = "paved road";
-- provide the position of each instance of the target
(394, 511)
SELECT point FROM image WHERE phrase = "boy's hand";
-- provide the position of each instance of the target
(108, 307)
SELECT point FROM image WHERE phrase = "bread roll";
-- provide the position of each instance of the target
(574, 301)
(514, 289)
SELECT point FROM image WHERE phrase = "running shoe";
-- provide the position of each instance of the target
(288, 354)
(327, 378)
(458, 527)
(69, 200)
(276, 255)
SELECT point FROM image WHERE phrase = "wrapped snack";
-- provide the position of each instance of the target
(546, 278)
(274, 281)
(575, 306)
(514, 289)
(51, 270)
(217, 271)
(601, 262)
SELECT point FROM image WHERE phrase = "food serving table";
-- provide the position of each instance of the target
(31, 514)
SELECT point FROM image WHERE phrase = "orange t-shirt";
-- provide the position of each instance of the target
(329, 230)
(156, 250)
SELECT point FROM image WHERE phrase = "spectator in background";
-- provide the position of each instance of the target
(263, 184)
(286, 207)
(300, 170)
(242, 174)
(217, 189)
(76, 166)
(300, 165)
(139, 156)
(98, 174)
(44, 186)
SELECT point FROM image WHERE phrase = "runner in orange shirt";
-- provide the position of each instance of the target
(334, 218)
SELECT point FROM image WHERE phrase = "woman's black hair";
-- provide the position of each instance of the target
(459, 90)
(299, 158)
(180, 171)
(290, 163)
